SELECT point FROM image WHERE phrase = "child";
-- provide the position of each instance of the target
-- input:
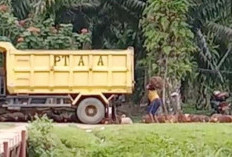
(155, 83)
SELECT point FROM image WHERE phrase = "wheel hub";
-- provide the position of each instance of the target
(91, 110)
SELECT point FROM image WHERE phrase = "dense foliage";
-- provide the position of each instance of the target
(168, 38)
(39, 34)
(162, 32)
(40, 141)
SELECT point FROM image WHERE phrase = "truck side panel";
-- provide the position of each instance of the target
(93, 71)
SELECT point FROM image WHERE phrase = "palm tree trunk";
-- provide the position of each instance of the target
(164, 87)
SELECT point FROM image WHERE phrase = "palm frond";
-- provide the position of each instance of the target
(206, 54)
(51, 6)
(123, 13)
(221, 32)
(223, 59)
(21, 8)
(136, 6)
(203, 11)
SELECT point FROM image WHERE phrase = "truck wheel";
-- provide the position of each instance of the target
(90, 111)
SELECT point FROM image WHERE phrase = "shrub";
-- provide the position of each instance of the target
(44, 142)
(40, 139)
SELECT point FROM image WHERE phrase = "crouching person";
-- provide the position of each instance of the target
(155, 101)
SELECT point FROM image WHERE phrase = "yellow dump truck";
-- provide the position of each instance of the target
(82, 79)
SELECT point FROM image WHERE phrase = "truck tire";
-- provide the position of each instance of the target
(90, 111)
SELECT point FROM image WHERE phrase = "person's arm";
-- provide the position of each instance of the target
(149, 87)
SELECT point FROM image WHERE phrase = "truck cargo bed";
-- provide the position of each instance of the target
(68, 71)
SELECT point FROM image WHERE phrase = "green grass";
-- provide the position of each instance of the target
(148, 140)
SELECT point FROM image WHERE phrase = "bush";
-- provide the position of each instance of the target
(41, 142)
(40, 34)
(44, 142)
(45, 36)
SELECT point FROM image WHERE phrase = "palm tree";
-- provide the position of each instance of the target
(211, 22)
(212, 16)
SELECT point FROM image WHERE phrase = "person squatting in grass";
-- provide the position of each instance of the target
(155, 83)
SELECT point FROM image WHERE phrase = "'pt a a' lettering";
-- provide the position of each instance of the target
(100, 61)
(56, 59)
(81, 61)
(64, 59)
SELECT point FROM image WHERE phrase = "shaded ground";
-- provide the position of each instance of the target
(191, 109)
(131, 110)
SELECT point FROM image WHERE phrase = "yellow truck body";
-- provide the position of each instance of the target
(68, 71)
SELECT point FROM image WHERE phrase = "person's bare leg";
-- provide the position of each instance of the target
(155, 118)
(152, 118)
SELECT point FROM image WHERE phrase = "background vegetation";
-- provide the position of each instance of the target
(188, 42)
